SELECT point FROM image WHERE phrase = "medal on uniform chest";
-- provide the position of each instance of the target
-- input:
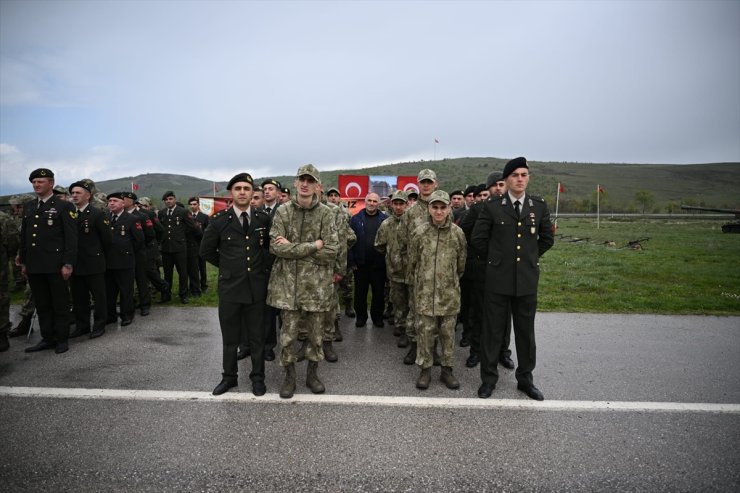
(50, 221)
(87, 226)
(532, 229)
(123, 230)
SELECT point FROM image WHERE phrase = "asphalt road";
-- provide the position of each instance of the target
(340, 443)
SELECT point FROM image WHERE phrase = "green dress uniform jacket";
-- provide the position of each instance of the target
(48, 236)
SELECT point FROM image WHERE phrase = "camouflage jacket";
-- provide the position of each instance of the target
(346, 236)
(301, 277)
(415, 216)
(387, 241)
(11, 233)
(437, 259)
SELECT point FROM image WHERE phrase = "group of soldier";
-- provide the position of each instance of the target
(438, 258)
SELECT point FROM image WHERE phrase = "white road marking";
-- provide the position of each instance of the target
(370, 400)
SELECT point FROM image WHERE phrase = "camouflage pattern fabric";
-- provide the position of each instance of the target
(5, 237)
(388, 241)
(292, 322)
(400, 300)
(429, 329)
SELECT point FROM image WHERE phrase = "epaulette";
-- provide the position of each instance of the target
(219, 213)
(537, 198)
(494, 198)
(258, 212)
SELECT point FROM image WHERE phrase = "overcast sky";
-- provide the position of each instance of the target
(105, 89)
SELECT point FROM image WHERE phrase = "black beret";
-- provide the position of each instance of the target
(82, 184)
(115, 195)
(41, 173)
(469, 189)
(285, 190)
(130, 195)
(272, 182)
(493, 177)
(480, 188)
(245, 177)
(456, 192)
(168, 193)
(258, 188)
(516, 163)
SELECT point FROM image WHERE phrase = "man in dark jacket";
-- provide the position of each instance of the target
(176, 222)
(196, 264)
(367, 264)
(512, 232)
(47, 256)
(237, 241)
(88, 278)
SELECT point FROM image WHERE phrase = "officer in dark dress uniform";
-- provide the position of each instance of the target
(176, 222)
(152, 251)
(140, 270)
(128, 240)
(196, 263)
(88, 279)
(237, 242)
(511, 232)
(48, 253)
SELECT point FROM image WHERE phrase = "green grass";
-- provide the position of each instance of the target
(686, 267)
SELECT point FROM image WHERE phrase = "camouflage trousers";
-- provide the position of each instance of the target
(427, 331)
(4, 296)
(345, 288)
(29, 306)
(400, 300)
(411, 318)
(293, 322)
(328, 324)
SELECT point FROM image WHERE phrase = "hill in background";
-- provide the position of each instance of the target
(714, 184)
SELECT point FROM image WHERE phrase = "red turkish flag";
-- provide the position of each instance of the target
(407, 184)
(353, 186)
(561, 188)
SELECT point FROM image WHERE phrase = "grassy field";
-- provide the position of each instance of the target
(685, 267)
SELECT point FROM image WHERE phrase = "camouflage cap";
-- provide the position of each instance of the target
(60, 190)
(308, 170)
(426, 174)
(145, 201)
(399, 195)
(333, 190)
(15, 200)
(130, 195)
(439, 196)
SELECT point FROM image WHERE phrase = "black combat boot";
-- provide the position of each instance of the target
(424, 378)
(411, 355)
(312, 378)
(329, 354)
(288, 387)
(337, 333)
(448, 378)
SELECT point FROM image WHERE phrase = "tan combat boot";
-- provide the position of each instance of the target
(301, 354)
(288, 387)
(424, 378)
(312, 378)
(448, 378)
(329, 353)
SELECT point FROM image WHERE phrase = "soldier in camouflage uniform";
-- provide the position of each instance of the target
(346, 286)
(14, 228)
(437, 256)
(387, 242)
(415, 216)
(8, 243)
(305, 243)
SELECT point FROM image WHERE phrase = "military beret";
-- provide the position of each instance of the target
(469, 189)
(257, 188)
(492, 178)
(115, 195)
(399, 195)
(41, 173)
(333, 190)
(285, 190)
(426, 174)
(245, 177)
(270, 181)
(168, 193)
(439, 196)
(516, 163)
(82, 184)
(310, 170)
(60, 190)
(456, 192)
(480, 189)
(129, 195)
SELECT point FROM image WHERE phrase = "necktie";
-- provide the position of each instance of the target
(41, 203)
(169, 212)
(516, 207)
(268, 209)
(113, 219)
(245, 222)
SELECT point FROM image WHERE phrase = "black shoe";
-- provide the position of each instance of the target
(360, 323)
(195, 294)
(472, 360)
(485, 390)
(379, 325)
(531, 391)
(259, 388)
(242, 353)
(144, 311)
(97, 333)
(506, 362)
(269, 355)
(4, 343)
(464, 342)
(78, 332)
(126, 321)
(62, 347)
(224, 386)
(41, 346)
(166, 297)
(350, 313)
(111, 320)
(184, 300)
(21, 329)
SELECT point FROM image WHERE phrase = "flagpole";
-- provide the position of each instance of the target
(598, 207)
(214, 188)
(132, 186)
(557, 204)
(435, 149)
